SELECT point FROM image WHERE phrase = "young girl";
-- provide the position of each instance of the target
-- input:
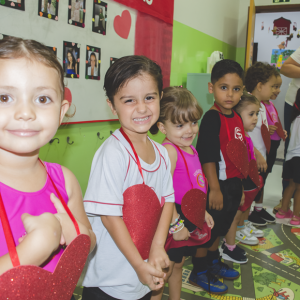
(291, 169)
(178, 120)
(260, 81)
(32, 107)
(130, 192)
(248, 108)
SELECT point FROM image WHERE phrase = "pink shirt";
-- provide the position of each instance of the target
(181, 180)
(271, 112)
(250, 148)
(17, 203)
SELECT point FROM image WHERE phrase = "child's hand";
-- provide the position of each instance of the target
(272, 129)
(209, 220)
(159, 258)
(215, 199)
(182, 235)
(285, 134)
(261, 162)
(242, 200)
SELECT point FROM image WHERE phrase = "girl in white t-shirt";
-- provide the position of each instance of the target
(291, 169)
(130, 193)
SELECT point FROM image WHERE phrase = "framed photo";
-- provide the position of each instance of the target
(16, 4)
(99, 17)
(93, 62)
(71, 58)
(48, 9)
(76, 13)
(112, 60)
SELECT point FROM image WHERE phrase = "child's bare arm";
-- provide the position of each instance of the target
(261, 162)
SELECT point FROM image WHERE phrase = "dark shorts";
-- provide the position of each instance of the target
(176, 254)
(94, 293)
(291, 169)
(271, 157)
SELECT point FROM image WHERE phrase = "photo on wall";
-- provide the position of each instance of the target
(112, 60)
(71, 59)
(48, 9)
(279, 56)
(93, 63)
(16, 4)
(76, 13)
(99, 17)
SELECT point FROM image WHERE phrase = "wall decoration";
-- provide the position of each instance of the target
(76, 13)
(99, 17)
(93, 63)
(71, 59)
(279, 57)
(48, 9)
(122, 24)
(282, 26)
(54, 49)
(112, 60)
(295, 26)
(16, 4)
(262, 26)
(281, 46)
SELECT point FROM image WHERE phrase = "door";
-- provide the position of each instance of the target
(250, 35)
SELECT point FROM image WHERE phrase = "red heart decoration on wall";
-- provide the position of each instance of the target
(253, 172)
(193, 206)
(35, 283)
(141, 214)
(279, 130)
(122, 24)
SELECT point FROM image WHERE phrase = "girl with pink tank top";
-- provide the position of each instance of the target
(191, 224)
(41, 207)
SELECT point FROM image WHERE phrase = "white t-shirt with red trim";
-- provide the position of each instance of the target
(113, 171)
(294, 144)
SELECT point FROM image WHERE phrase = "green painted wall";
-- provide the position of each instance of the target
(240, 56)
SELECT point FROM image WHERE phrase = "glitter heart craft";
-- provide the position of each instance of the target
(141, 214)
(279, 130)
(266, 137)
(193, 205)
(238, 155)
(35, 283)
(253, 172)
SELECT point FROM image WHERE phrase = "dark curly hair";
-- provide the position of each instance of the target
(226, 66)
(259, 72)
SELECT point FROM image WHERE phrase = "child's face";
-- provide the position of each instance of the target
(227, 91)
(265, 91)
(249, 116)
(137, 104)
(30, 105)
(277, 87)
(182, 134)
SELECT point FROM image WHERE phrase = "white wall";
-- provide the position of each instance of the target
(217, 18)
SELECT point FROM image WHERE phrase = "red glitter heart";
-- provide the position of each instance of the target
(193, 205)
(141, 214)
(266, 137)
(253, 172)
(279, 130)
(35, 283)
(122, 24)
(237, 153)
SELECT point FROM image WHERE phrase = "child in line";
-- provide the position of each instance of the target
(260, 81)
(32, 107)
(291, 169)
(220, 128)
(130, 192)
(178, 120)
(241, 229)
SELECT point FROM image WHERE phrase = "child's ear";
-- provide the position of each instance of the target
(210, 88)
(161, 127)
(65, 105)
(111, 106)
(162, 94)
(259, 86)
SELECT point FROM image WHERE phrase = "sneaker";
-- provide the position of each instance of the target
(255, 219)
(241, 250)
(221, 248)
(246, 238)
(235, 255)
(253, 230)
(266, 216)
(208, 282)
(284, 215)
(222, 270)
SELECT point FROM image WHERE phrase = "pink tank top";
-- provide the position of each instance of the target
(181, 180)
(250, 148)
(272, 118)
(16, 203)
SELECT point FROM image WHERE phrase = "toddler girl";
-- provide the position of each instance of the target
(130, 191)
(32, 107)
(178, 120)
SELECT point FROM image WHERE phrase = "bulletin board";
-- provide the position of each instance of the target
(82, 34)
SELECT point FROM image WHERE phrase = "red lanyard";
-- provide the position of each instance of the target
(135, 154)
(7, 230)
(268, 110)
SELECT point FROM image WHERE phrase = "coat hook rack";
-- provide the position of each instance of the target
(52, 140)
(68, 141)
(98, 135)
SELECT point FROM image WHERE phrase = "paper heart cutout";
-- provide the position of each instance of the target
(253, 172)
(49, 16)
(141, 214)
(70, 6)
(72, 75)
(84, 10)
(83, 25)
(68, 95)
(12, 4)
(193, 205)
(34, 283)
(122, 24)
(279, 130)
(266, 137)
(78, 59)
(87, 47)
(238, 155)
(86, 61)
(77, 75)
(41, 14)
(73, 44)
(54, 49)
